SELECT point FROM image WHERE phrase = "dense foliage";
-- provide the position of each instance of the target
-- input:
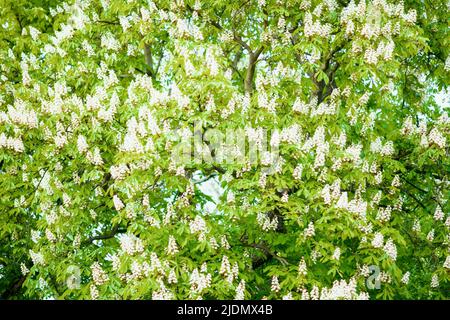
(343, 104)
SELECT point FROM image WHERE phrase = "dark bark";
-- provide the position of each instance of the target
(149, 60)
(14, 288)
(107, 235)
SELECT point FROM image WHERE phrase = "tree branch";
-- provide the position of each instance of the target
(108, 235)
(13, 288)
(422, 190)
(205, 178)
(269, 254)
(149, 61)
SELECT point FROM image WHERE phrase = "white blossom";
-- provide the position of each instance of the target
(437, 137)
(172, 247)
(310, 230)
(438, 214)
(447, 262)
(98, 274)
(275, 285)
(240, 291)
(130, 244)
(118, 204)
(336, 254)
(37, 258)
(434, 281)
(390, 249)
(405, 277)
(378, 240)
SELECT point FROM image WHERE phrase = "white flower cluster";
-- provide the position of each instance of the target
(384, 214)
(230, 197)
(265, 222)
(302, 107)
(199, 281)
(163, 293)
(265, 102)
(341, 290)
(155, 263)
(437, 138)
(98, 274)
(430, 235)
(378, 240)
(240, 291)
(198, 225)
(226, 36)
(88, 48)
(408, 126)
(447, 262)
(315, 28)
(50, 236)
(23, 269)
(108, 78)
(384, 50)
(82, 144)
(34, 33)
(309, 231)
(396, 181)
(275, 285)
(14, 144)
(358, 206)
(118, 204)
(322, 146)
(172, 247)
(211, 62)
(20, 115)
(353, 153)
(262, 180)
(447, 64)
(154, 222)
(172, 278)
(332, 192)
(131, 142)
(213, 243)
(125, 22)
(324, 109)
(390, 249)
(170, 214)
(37, 258)
(118, 172)
(326, 195)
(297, 174)
(434, 281)
(302, 268)
(405, 277)
(131, 244)
(138, 271)
(386, 149)
(438, 214)
(291, 134)
(94, 292)
(343, 201)
(94, 157)
(66, 32)
(109, 41)
(225, 266)
(336, 254)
